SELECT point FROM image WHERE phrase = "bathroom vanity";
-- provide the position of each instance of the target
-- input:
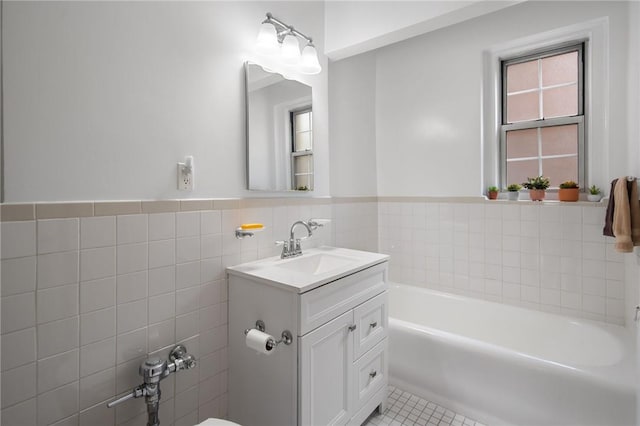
(333, 301)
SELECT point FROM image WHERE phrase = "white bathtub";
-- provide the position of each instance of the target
(508, 365)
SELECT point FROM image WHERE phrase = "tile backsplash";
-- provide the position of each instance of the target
(549, 256)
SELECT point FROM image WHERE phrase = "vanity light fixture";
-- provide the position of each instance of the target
(277, 38)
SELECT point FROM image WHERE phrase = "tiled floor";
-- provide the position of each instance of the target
(407, 409)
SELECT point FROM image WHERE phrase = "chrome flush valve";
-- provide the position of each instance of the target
(181, 359)
(153, 370)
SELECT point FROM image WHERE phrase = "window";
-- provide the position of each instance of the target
(302, 149)
(542, 127)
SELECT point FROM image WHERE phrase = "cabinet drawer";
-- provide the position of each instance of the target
(333, 299)
(370, 374)
(371, 319)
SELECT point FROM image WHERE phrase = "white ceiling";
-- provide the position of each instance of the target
(353, 27)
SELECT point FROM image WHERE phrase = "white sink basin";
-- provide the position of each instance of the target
(315, 264)
(314, 268)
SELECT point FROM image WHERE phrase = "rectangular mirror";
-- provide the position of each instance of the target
(279, 132)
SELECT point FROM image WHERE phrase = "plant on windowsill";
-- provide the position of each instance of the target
(536, 186)
(569, 191)
(594, 193)
(513, 193)
(492, 192)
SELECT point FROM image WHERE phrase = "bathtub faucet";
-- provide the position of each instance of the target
(153, 370)
(292, 247)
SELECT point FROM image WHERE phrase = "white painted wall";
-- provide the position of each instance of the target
(102, 99)
(633, 81)
(633, 261)
(352, 94)
(354, 27)
(428, 97)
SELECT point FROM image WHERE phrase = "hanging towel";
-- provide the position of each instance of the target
(634, 206)
(608, 220)
(626, 215)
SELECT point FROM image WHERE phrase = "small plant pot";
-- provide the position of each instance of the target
(513, 195)
(568, 194)
(594, 197)
(536, 194)
(493, 195)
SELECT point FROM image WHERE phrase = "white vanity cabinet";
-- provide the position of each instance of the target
(335, 382)
(335, 370)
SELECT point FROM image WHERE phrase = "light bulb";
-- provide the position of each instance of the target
(290, 50)
(309, 61)
(267, 42)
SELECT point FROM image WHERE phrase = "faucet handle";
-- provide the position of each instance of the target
(285, 247)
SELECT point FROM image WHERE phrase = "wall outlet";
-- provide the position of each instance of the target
(185, 174)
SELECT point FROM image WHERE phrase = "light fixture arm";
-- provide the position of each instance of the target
(285, 29)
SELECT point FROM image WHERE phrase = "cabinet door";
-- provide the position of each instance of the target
(326, 381)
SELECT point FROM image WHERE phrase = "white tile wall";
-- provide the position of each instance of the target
(84, 301)
(103, 292)
(57, 269)
(18, 275)
(97, 232)
(57, 235)
(547, 257)
(18, 239)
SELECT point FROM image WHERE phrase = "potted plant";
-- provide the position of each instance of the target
(594, 193)
(569, 191)
(513, 193)
(537, 186)
(492, 192)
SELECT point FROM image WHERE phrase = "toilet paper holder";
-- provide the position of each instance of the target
(285, 338)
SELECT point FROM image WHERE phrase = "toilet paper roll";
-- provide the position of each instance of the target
(257, 340)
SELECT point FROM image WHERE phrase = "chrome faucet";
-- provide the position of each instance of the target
(153, 370)
(292, 247)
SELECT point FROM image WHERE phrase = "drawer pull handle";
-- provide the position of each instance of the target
(373, 324)
(352, 327)
(373, 374)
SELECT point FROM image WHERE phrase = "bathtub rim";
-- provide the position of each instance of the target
(625, 369)
(617, 329)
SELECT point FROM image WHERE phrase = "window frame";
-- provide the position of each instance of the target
(579, 119)
(294, 153)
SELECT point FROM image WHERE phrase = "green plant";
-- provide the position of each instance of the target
(538, 182)
(514, 187)
(594, 190)
(493, 189)
(568, 184)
